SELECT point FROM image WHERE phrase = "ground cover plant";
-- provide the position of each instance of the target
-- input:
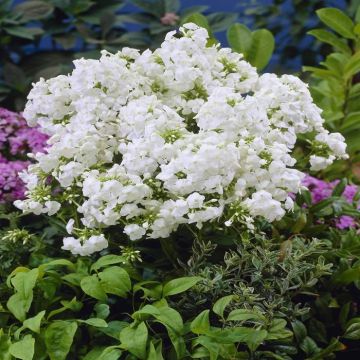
(179, 205)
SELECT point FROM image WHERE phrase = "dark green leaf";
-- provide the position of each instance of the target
(180, 285)
(59, 337)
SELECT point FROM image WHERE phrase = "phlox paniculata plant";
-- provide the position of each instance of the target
(187, 134)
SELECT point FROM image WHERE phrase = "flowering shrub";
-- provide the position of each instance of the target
(187, 134)
(321, 190)
(16, 140)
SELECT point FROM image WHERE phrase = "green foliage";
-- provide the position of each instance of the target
(335, 85)
(257, 46)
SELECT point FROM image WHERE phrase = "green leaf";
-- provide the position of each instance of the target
(134, 339)
(339, 188)
(115, 280)
(348, 276)
(109, 353)
(155, 353)
(23, 349)
(177, 342)
(239, 38)
(278, 330)
(92, 287)
(337, 21)
(198, 19)
(335, 345)
(59, 337)
(244, 315)
(19, 303)
(221, 304)
(5, 344)
(96, 322)
(353, 66)
(102, 310)
(107, 260)
(180, 285)
(299, 330)
(201, 324)
(308, 345)
(220, 21)
(262, 47)
(24, 32)
(331, 39)
(33, 10)
(114, 328)
(34, 323)
(353, 331)
(24, 282)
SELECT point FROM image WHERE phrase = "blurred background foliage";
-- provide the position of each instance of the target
(41, 38)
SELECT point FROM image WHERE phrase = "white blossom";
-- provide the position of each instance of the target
(185, 134)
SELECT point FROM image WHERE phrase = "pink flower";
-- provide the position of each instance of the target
(321, 190)
(169, 18)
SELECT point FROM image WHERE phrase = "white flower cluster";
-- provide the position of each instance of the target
(183, 135)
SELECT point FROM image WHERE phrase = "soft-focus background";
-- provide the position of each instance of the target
(42, 37)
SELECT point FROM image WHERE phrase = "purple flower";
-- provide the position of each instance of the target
(16, 141)
(321, 190)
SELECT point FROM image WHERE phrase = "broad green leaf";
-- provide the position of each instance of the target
(23, 349)
(220, 21)
(244, 315)
(353, 66)
(24, 282)
(34, 323)
(299, 330)
(221, 304)
(114, 328)
(331, 39)
(178, 342)
(278, 330)
(239, 38)
(59, 337)
(92, 287)
(201, 324)
(155, 352)
(180, 285)
(33, 10)
(115, 280)
(198, 19)
(58, 262)
(24, 32)
(164, 314)
(107, 260)
(134, 339)
(335, 345)
(337, 21)
(262, 47)
(339, 188)
(96, 322)
(210, 345)
(102, 310)
(19, 303)
(19, 306)
(109, 353)
(172, 6)
(348, 276)
(353, 331)
(5, 344)
(308, 345)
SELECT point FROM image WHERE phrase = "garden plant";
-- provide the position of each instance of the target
(176, 202)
